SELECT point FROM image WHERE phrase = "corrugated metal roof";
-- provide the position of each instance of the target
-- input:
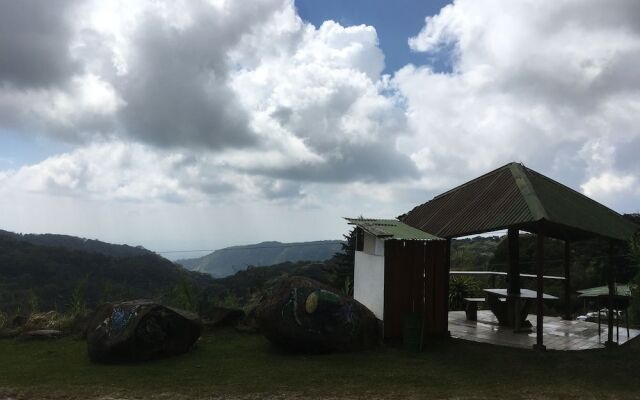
(516, 196)
(621, 290)
(391, 229)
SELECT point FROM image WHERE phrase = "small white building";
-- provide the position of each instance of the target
(400, 270)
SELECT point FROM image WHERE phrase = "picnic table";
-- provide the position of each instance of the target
(621, 303)
(512, 309)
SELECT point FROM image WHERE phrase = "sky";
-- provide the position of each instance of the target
(180, 125)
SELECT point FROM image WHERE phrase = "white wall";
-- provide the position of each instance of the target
(373, 245)
(368, 282)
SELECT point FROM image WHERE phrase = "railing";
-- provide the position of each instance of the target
(497, 273)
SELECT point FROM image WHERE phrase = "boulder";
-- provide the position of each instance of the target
(45, 321)
(300, 314)
(140, 330)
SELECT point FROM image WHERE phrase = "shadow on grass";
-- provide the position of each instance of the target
(227, 362)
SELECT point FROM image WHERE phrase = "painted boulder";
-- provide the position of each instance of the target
(140, 330)
(300, 314)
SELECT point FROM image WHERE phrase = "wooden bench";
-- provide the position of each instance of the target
(471, 307)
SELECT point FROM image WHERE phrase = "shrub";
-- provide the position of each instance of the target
(459, 288)
(184, 296)
(78, 304)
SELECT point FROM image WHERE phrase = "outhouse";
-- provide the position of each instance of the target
(401, 272)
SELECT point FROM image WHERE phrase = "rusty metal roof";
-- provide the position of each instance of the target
(620, 290)
(391, 229)
(515, 196)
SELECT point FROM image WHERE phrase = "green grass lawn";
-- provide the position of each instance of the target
(230, 363)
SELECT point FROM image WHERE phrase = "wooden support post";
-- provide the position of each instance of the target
(599, 319)
(446, 280)
(612, 292)
(513, 272)
(513, 278)
(567, 281)
(539, 298)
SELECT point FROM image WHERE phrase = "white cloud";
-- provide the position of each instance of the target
(607, 186)
(315, 96)
(242, 107)
(251, 84)
(552, 84)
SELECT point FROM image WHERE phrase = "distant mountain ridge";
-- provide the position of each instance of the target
(228, 261)
(79, 244)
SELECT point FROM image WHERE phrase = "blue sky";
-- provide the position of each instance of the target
(395, 22)
(17, 150)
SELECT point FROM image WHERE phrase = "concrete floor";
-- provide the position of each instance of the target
(558, 333)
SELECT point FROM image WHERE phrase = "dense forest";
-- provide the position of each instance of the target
(35, 277)
(80, 244)
(54, 272)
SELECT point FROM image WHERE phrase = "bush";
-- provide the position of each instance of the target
(78, 305)
(459, 288)
(184, 296)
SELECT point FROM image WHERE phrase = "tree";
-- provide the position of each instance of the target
(345, 260)
(345, 257)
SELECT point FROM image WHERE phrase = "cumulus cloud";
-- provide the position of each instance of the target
(606, 184)
(554, 85)
(120, 171)
(229, 102)
(321, 89)
(250, 86)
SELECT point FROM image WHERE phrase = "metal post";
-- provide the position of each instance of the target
(539, 298)
(612, 291)
(513, 277)
(567, 280)
(446, 280)
(599, 321)
(513, 272)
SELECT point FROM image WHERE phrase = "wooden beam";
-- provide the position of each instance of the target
(612, 292)
(513, 272)
(539, 301)
(567, 281)
(445, 279)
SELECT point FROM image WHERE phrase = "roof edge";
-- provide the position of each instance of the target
(596, 203)
(528, 193)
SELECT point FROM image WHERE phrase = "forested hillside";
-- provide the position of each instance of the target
(56, 278)
(80, 244)
(228, 261)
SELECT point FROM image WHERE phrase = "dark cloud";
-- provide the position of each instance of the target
(368, 162)
(176, 88)
(34, 43)
(612, 15)
(279, 190)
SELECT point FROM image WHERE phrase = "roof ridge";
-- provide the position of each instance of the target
(528, 192)
(579, 194)
(472, 181)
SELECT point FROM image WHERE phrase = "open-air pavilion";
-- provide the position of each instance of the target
(516, 198)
